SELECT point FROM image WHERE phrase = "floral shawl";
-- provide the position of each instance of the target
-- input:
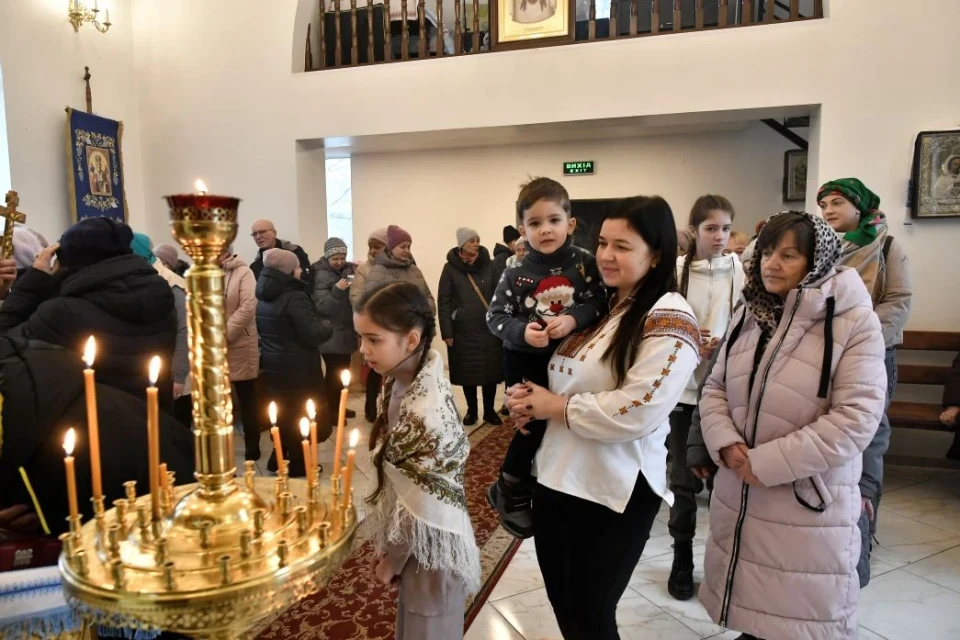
(423, 505)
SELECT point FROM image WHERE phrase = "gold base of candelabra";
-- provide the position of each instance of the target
(186, 576)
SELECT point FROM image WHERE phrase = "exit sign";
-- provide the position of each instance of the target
(582, 168)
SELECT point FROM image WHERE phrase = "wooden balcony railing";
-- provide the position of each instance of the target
(363, 32)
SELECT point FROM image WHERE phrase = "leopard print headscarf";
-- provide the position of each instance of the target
(767, 307)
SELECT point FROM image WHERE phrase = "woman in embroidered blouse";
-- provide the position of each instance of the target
(601, 469)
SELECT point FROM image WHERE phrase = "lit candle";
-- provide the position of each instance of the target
(93, 428)
(312, 414)
(275, 434)
(341, 421)
(201, 187)
(68, 443)
(348, 474)
(153, 437)
(305, 432)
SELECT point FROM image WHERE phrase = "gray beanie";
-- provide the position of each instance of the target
(167, 253)
(334, 246)
(380, 235)
(465, 235)
(282, 260)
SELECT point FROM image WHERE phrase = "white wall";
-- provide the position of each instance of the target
(43, 60)
(218, 98)
(432, 193)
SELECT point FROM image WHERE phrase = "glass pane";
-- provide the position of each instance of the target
(340, 202)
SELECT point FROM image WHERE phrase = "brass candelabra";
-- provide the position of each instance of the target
(225, 556)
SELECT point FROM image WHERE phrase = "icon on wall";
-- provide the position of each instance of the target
(795, 175)
(935, 184)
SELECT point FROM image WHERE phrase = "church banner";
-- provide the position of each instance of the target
(95, 164)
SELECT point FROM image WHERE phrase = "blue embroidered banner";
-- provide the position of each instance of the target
(96, 167)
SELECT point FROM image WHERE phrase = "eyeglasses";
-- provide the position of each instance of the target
(262, 233)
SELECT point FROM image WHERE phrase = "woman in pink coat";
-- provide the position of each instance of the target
(794, 399)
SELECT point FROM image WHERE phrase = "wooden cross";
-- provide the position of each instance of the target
(11, 216)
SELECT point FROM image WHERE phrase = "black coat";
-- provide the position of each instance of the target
(501, 253)
(333, 305)
(307, 276)
(123, 302)
(43, 390)
(476, 357)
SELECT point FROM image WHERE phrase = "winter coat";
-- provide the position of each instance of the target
(387, 269)
(359, 286)
(781, 558)
(240, 299)
(290, 332)
(307, 276)
(501, 254)
(476, 357)
(121, 301)
(181, 355)
(333, 305)
(43, 393)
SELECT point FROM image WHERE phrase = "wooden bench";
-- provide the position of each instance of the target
(923, 415)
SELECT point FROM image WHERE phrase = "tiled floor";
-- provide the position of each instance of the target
(914, 594)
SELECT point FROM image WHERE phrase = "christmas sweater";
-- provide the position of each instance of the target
(541, 287)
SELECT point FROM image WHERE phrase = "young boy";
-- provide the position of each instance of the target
(554, 291)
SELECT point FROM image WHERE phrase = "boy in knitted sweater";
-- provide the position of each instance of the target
(554, 291)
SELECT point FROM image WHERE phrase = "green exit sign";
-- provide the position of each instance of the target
(582, 168)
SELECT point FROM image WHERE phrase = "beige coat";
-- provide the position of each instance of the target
(243, 353)
(386, 270)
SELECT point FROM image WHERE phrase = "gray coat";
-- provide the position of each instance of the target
(333, 305)
(476, 357)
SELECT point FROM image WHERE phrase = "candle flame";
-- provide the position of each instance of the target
(90, 352)
(273, 413)
(201, 187)
(70, 441)
(354, 438)
(345, 377)
(154, 370)
(311, 409)
(304, 428)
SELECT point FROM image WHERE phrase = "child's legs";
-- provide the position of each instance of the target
(431, 604)
(534, 368)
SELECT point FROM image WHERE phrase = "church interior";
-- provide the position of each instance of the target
(324, 128)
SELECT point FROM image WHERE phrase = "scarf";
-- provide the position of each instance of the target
(424, 505)
(866, 202)
(767, 307)
(869, 260)
(467, 260)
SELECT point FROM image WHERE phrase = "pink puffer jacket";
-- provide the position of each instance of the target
(781, 558)
(243, 352)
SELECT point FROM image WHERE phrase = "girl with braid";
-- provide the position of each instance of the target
(711, 283)
(419, 448)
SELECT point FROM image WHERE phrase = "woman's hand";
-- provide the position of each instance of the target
(707, 344)
(868, 507)
(448, 341)
(19, 519)
(702, 472)
(44, 261)
(343, 285)
(529, 401)
(382, 571)
(949, 416)
(734, 455)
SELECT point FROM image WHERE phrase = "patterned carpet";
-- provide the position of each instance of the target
(354, 606)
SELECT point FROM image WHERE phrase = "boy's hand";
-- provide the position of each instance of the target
(536, 336)
(949, 416)
(561, 327)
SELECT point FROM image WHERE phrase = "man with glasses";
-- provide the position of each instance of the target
(265, 235)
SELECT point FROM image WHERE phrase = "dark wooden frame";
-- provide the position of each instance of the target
(532, 43)
(786, 174)
(914, 197)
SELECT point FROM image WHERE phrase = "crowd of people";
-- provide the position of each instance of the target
(670, 361)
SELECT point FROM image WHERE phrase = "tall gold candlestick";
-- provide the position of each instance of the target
(153, 437)
(341, 421)
(351, 458)
(312, 414)
(308, 465)
(275, 434)
(93, 425)
(68, 444)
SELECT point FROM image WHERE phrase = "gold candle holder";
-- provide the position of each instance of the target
(120, 511)
(74, 524)
(130, 488)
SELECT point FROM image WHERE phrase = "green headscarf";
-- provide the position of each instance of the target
(142, 246)
(866, 202)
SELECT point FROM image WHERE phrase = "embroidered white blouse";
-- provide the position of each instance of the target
(612, 433)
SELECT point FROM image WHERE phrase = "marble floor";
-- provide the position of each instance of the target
(914, 593)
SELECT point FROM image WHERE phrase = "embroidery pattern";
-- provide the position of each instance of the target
(648, 396)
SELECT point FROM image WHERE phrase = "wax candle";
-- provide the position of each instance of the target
(308, 465)
(312, 414)
(153, 437)
(68, 443)
(341, 421)
(93, 425)
(351, 458)
(275, 434)
(201, 187)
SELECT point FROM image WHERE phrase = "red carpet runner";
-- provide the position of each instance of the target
(355, 607)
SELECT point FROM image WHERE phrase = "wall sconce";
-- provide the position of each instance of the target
(78, 14)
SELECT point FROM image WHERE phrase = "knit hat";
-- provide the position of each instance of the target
(92, 240)
(333, 247)
(866, 202)
(380, 235)
(465, 235)
(141, 246)
(282, 260)
(510, 234)
(396, 236)
(167, 253)
(27, 245)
